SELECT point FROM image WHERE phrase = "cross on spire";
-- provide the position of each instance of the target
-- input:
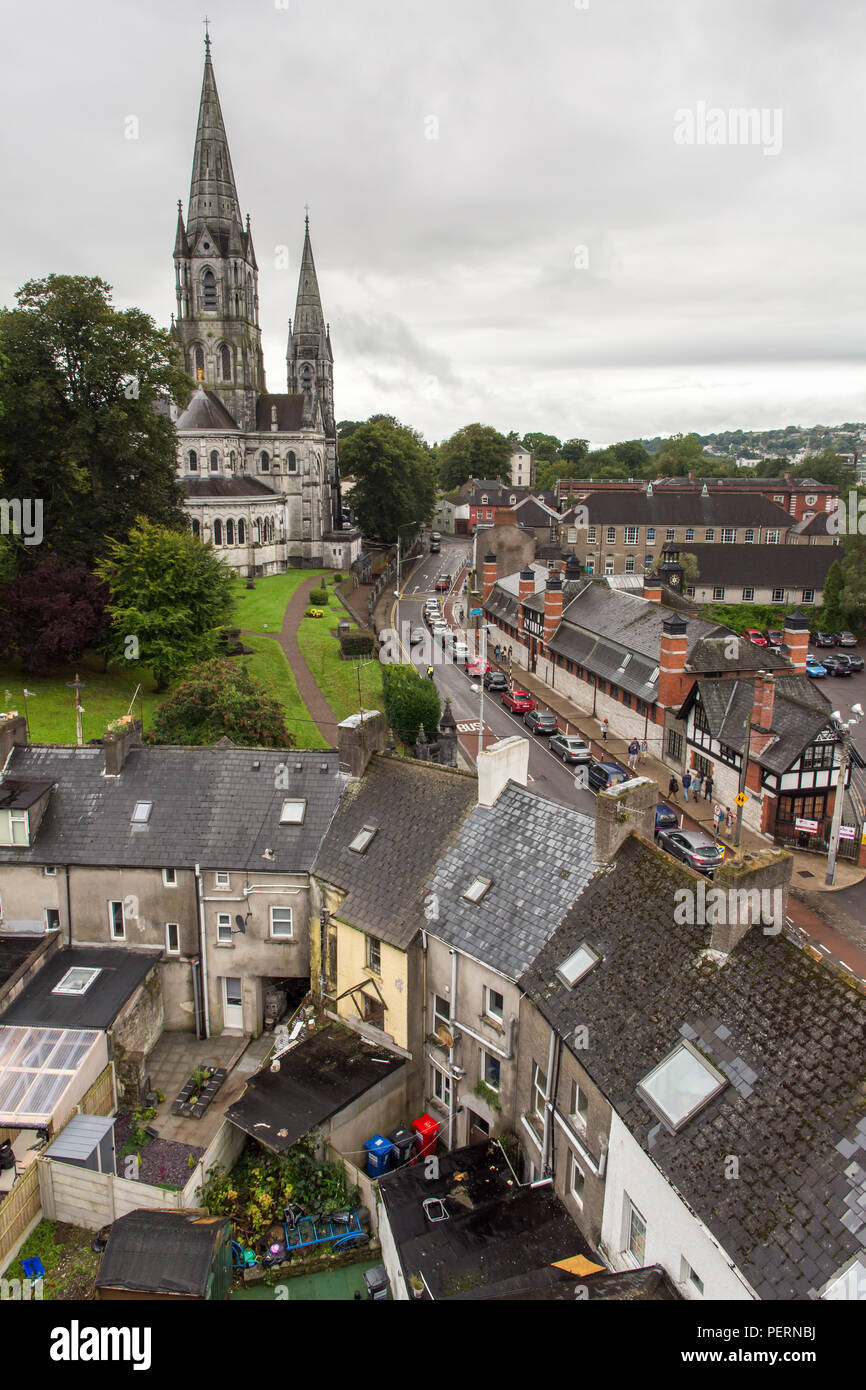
(206, 22)
(307, 214)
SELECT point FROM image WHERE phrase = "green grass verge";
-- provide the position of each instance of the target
(338, 680)
(51, 710)
(270, 666)
(261, 609)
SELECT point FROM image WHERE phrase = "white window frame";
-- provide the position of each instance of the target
(443, 1081)
(773, 537)
(631, 535)
(281, 935)
(576, 1172)
(729, 535)
(650, 533)
(169, 949)
(373, 954)
(538, 1092)
(169, 882)
(808, 596)
(629, 564)
(222, 874)
(690, 1279)
(484, 1058)
(690, 533)
(670, 534)
(113, 935)
(749, 536)
(591, 535)
(50, 871)
(778, 596)
(710, 533)
(490, 1011)
(633, 1216)
(293, 802)
(87, 971)
(579, 1108)
(223, 924)
(748, 594)
(610, 535)
(609, 564)
(439, 1017)
(719, 593)
(48, 926)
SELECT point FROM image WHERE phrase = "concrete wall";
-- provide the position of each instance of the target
(134, 1034)
(381, 1110)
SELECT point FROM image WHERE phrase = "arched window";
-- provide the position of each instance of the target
(209, 290)
(217, 532)
(292, 462)
(214, 461)
(225, 364)
(230, 533)
(192, 460)
(306, 377)
(196, 528)
(266, 462)
(258, 526)
(232, 460)
(198, 362)
(242, 532)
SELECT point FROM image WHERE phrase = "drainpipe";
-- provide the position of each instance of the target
(452, 1020)
(548, 1105)
(68, 908)
(203, 940)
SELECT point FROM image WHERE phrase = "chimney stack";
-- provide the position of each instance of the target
(525, 590)
(797, 639)
(117, 744)
(673, 680)
(764, 699)
(553, 595)
(361, 735)
(755, 892)
(503, 762)
(652, 588)
(13, 733)
(488, 577)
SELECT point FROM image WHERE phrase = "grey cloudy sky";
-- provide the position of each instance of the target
(719, 286)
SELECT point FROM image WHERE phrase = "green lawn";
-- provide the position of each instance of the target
(338, 680)
(70, 1265)
(261, 609)
(270, 666)
(51, 710)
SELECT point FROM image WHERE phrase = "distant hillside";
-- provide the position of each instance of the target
(792, 439)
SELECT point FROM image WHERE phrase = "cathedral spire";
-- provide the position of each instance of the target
(309, 317)
(213, 197)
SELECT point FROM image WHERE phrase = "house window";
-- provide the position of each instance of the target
(579, 1108)
(242, 532)
(374, 1011)
(690, 533)
(221, 879)
(116, 921)
(808, 596)
(578, 964)
(50, 871)
(374, 955)
(281, 922)
(477, 889)
(749, 536)
(778, 596)
(610, 535)
(169, 878)
(224, 928)
(680, 1085)
(709, 534)
(773, 537)
(293, 812)
(539, 1090)
(225, 363)
(629, 564)
(441, 1013)
(363, 838)
(441, 1087)
(576, 1180)
(648, 562)
(729, 535)
(650, 533)
(748, 594)
(196, 528)
(490, 1071)
(77, 980)
(718, 593)
(590, 535)
(199, 363)
(675, 745)
(494, 1004)
(635, 1227)
(590, 564)
(690, 1280)
(484, 499)
(690, 591)
(608, 564)
(670, 533)
(172, 939)
(631, 535)
(802, 807)
(52, 919)
(141, 812)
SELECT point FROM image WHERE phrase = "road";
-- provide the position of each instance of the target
(547, 774)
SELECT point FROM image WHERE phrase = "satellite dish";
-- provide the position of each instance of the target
(241, 924)
(445, 1036)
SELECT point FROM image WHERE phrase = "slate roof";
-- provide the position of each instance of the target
(532, 513)
(815, 526)
(290, 412)
(787, 1033)
(205, 411)
(495, 1228)
(417, 808)
(673, 508)
(228, 487)
(539, 855)
(210, 806)
(761, 566)
(317, 1078)
(121, 973)
(162, 1252)
(800, 712)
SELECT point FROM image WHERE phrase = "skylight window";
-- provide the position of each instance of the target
(293, 812)
(477, 888)
(141, 814)
(578, 964)
(77, 980)
(363, 838)
(680, 1086)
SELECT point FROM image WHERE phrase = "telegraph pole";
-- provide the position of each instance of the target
(741, 790)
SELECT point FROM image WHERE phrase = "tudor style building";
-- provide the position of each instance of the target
(259, 470)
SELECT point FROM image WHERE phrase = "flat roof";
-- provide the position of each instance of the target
(121, 971)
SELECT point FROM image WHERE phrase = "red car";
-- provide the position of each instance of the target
(443, 583)
(518, 701)
(477, 668)
(755, 636)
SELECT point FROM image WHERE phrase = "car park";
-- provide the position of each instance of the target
(836, 665)
(601, 775)
(846, 639)
(541, 722)
(518, 701)
(823, 639)
(496, 681)
(854, 663)
(756, 636)
(570, 748)
(666, 817)
(692, 847)
(815, 669)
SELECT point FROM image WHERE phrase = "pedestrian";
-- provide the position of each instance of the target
(673, 787)
(687, 782)
(430, 673)
(696, 785)
(643, 750)
(633, 750)
(605, 725)
(729, 824)
(708, 787)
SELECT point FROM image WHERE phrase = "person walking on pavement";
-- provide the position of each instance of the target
(430, 673)
(605, 725)
(708, 787)
(696, 786)
(673, 788)
(687, 782)
(643, 750)
(633, 750)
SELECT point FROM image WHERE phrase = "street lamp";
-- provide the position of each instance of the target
(844, 726)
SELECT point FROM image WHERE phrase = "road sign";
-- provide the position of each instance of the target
(476, 612)
(741, 798)
(809, 827)
(847, 832)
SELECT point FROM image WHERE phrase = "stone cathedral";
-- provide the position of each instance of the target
(260, 471)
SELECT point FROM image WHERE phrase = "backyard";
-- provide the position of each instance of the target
(69, 1263)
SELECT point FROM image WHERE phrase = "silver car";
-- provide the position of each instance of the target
(692, 847)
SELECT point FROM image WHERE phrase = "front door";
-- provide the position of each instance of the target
(233, 1003)
(478, 1129)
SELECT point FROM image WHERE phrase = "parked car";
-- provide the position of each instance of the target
(694, 848)
(443, 583)
(542, 722)
(854, 663)
(836, 665)
(755, 635)
(846, 639)
(815, 669)
(440, 630)
(774, 637)
(823, 639)
(478, 668)
(496, 681)
(417, 635)
(570, 748)
(460, 653)
(604, 775)
(666, 819)
(518, 701)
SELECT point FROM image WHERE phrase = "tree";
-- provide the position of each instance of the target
(689, 564)
(679, 455)
(168, 594)
(410, 702)
(221, 700)
(573, 450)
(475, 451)
(395, 483)
(545, 447)
(51, 614)
(79, 430)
